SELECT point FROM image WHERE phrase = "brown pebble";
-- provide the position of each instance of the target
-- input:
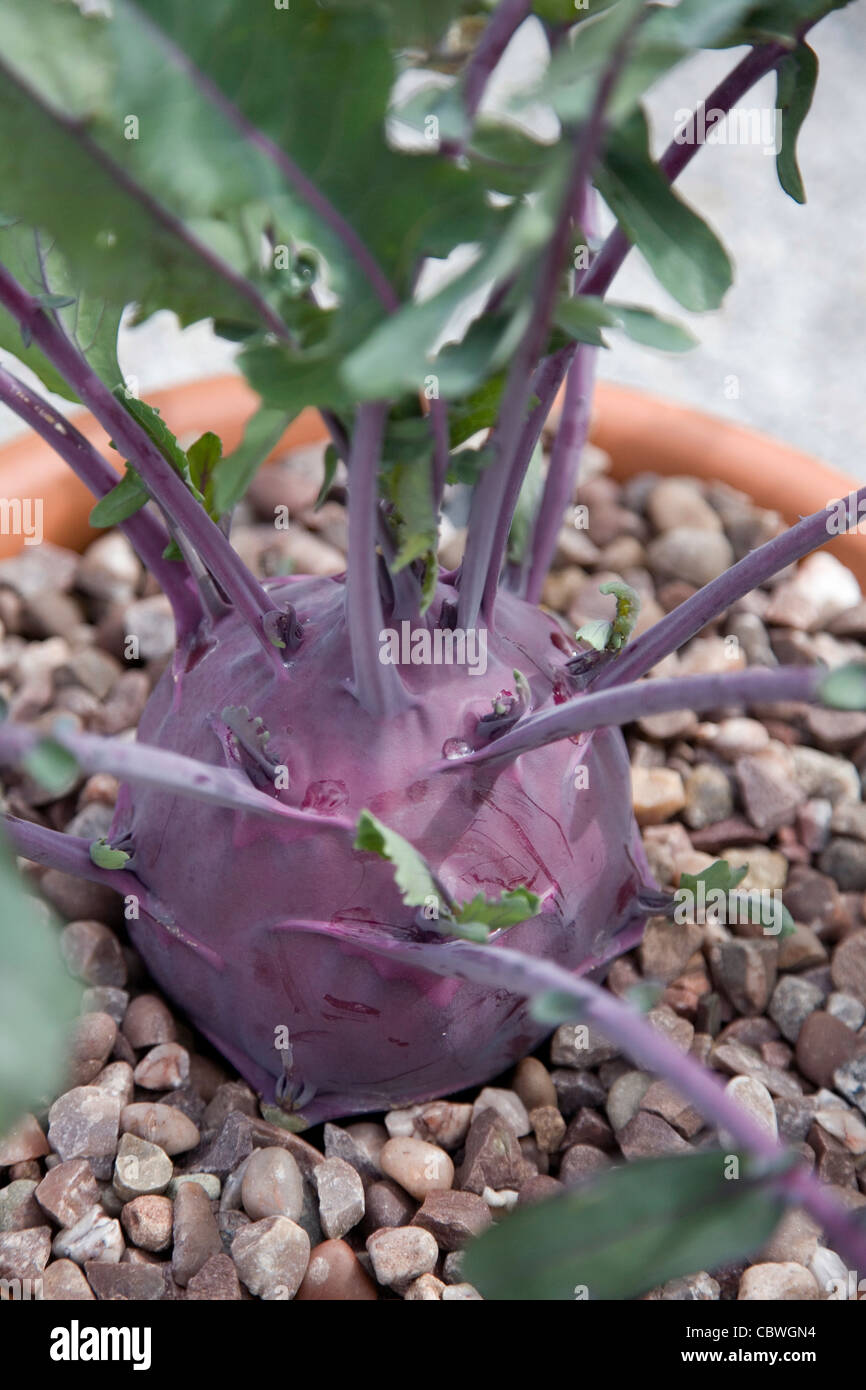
(538, 1188)
(163, 1068)
(548, 1127)
(533, 1083)
(148, 1221)
(164, 1125)
(335, 1273)
(91, 1039)
(125, 1283)
(649, 1136)
(581, 1162)
(217, 1280)
(148, 1021)
(68, 1191)
(453, 1218)
(823, 1044)
(387, 1205)
(25, 1140)
(195, 1234)
(92, 954)
(64, 1282)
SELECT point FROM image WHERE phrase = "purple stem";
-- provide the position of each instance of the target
(377, 687)
(146, 765)
(621, 705)
(144, 530)
(70, 854)
(561, 480)
(495, 496)
(597, 279)
(670, 632)
(282, 161)
(441, 448)
(500, 968)
(164, 484)
(501, 28)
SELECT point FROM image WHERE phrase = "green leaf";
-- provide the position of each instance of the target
(553, 1007)
(512, 906)
(596, 633)
(652, 329)
(626, 1231)
(411, 874)
(233, 474)
(528, 499)
(332, 459)
(627, 611)
(684, 254)
(35, 261)
(38, 1001)
(105, 857)
(52, 766)
(582, 317)
(203, 455)
(122, 502)
(796, 77)
(845, 687)
(475, 412)
(717, 877)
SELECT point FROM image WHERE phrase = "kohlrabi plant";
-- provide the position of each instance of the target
(376, 833)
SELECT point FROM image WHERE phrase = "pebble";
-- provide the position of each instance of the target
(580, 1162)
(163, 1068)
(164, 1125)
(341, 1194)
(63, 1282)
(272, 1185)
(588, 1127)
(271, 1257)
(844, 861)
(25, 1140)
(401, 1255)
(453, 1218)
(105, 999)
(745, 971)
(335, 1273)
(794, 999)
(217, 1280)
(538, 1188)
(831, 1274)
(140, 1168)
(801, 949)
(649, 1136)
(734, 738)
(845, 1126)
(133, 1282)
(148, 1221)
(195, 1234)
(92, 953)
(825, 775)
(625, 1096)
(18, 1208)
(83, 1123)
(709, 796)
(443, 1122)
(461, 1293)
(116, 1079)
(813, 823)
(427, 1289)
(754, 1097)
(667, 947)
(91, 1039)
(657, 793)
(848, 967)
(777, 1283)
(849, 818)
(679, 502)
(691, 1288)
(420, 1167)
(387, 1205)
(661, 1098)
(851, 1011)
(492, 1157)
(339, 1143)
(533, 1084)
(769, 787)
(109, 568)
(548, 1126)
(850, 1081)
(95, 1236)
(795, 1238)
(824, 1044)
(576, 1088)
(24, 1254)
(67, 1191)
(148, 1021)
(580, 1045)
(209, 1181)
(691, 555)
(509, 1106)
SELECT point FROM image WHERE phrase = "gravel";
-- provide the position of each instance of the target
(154, 1175)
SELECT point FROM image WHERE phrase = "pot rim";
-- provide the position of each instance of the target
(642, 433)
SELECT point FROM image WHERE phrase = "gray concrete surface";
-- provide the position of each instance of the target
(791, 330)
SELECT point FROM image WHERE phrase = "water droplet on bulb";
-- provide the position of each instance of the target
(455, 748)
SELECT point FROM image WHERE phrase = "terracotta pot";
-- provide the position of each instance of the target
(640, 432)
